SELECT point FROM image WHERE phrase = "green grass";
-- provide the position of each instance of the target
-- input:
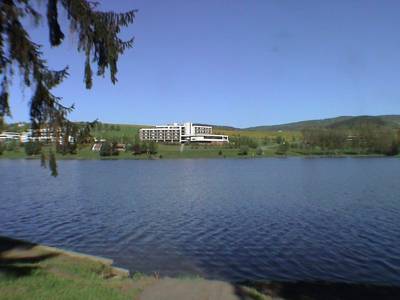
(63, 277)
(31, 271)
(260, 134)
(45, 284)
(13, 154)
(117, 131)
(189, 152)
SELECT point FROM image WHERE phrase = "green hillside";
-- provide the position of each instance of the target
(359, 122)
(342, 122)
(123, 132)
(108, 130)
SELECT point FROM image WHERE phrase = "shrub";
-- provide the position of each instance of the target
(108, 149)
(12, 145)
(33, 148)
(244, 150)
(393, 150)
(244, 141)
(220, 152)
(136, 149)
(153, 148)
(2, 148)
(266, 141)
(282, 149)
(148, 147)
(280, 140)
(114, 151)
(129, 147)
(259, 151)
(66, 148)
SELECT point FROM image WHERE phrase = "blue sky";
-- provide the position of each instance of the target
(239, 63)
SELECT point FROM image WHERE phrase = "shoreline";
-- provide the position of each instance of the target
(89, 275)
(241, 157)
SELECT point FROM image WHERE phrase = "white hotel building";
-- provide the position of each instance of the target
(181, 133)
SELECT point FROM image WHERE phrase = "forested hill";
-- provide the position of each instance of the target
(343, 122)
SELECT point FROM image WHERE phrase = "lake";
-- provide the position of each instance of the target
(334, 219)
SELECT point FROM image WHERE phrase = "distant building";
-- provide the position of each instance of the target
(181, 133)
(120, 147)
(9, 136)
(43, 135)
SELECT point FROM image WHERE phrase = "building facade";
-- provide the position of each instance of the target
(43, 135)
(10, 136)
(181, 133)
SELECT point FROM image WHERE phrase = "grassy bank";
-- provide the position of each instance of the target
(31, 271)
(174, 152)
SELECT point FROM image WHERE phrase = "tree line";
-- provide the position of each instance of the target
(362, 140)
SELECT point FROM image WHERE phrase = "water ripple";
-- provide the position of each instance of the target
(292, 219)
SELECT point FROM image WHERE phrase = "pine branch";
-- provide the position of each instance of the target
(56, 35)
(97, 37)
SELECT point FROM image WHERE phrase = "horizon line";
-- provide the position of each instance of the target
(225, 125)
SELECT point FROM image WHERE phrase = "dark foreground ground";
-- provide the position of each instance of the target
(31, 271)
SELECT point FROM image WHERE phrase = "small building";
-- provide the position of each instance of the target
(120, 147)
(182, 133)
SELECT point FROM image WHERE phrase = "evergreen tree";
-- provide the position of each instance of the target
(109, 149)
(98, 39)
(106, 149)
(114, 150)
(137, 147)
(2, 124)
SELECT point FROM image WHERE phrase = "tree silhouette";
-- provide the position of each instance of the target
(98, 39)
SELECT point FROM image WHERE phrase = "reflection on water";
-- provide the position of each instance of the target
(280, 219)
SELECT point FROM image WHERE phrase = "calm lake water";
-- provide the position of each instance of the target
(277, 219)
